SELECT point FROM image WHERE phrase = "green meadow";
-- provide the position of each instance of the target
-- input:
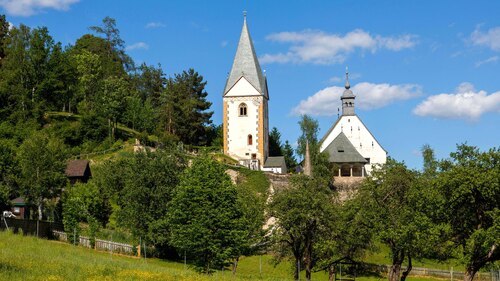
(30, 258)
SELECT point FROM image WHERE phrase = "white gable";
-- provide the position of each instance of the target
(360, 137)
(242, 88)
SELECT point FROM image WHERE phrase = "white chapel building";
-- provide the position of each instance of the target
(246, 111)
(351, 146)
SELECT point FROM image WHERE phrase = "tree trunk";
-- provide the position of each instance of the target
(407, 271)
(40, 210)
(395, 270)
(109, 128)
(469, 274)
(331, 273)
(297, 269)
(235, 265)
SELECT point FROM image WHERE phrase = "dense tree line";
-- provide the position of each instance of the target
(95, 78)
(71, 99)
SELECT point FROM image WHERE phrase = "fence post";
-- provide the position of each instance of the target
(74, 236)
(451, 273)
(260, 265)
(111, 247)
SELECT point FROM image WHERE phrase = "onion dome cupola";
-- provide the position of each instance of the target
(347, 97)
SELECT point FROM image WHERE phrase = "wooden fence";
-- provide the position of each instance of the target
(99, 244)
(42, 229)
(451, 274)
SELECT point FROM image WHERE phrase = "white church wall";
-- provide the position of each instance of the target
(239, 127)
(360, 137)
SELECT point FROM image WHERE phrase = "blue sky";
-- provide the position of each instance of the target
(424, 72)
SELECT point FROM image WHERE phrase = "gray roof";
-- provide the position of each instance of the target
(246, 65)
(275, 161)
(341, 150)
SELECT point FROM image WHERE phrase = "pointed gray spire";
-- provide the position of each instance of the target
(307, 161)
(246, 64)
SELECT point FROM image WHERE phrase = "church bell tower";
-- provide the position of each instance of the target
(245, 106)
(347, 98)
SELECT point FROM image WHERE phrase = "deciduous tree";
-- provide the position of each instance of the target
(394, 206)
(302, 213)
(42, 162)
(470, 184)
(205, 217)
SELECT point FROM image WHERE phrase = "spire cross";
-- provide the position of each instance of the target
(347, 84)
(245, 14)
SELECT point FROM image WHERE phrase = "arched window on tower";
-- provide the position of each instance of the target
(250, 140)
(243, 109)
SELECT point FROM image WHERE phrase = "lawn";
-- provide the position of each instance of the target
(29, 258)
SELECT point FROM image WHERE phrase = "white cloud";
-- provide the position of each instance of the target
(368, 96)
(493, 59)
(11, 25)
(137, 46)
(465, 103)
(155, 25)
(322, 48)
(490, 38)
(27, 8)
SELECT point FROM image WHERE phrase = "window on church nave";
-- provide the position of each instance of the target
(243, 109)
(250, 140)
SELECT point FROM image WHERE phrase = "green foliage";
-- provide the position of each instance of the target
(470, 185)
(275, 145)
(144, 184)
(309, 128)
(205, 217)
(8, 173)
(85, 203)
(183, 111)
(252, 187)
(28, 77)
(430, 163)
(41, 162)
(303, 213)
(112, 36)
(150, 82)
(89, 69)
(290, 160)
(139, 115)
(346, 235)
(395, 200)
(4, 30)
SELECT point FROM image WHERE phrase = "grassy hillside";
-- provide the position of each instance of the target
(29, 258)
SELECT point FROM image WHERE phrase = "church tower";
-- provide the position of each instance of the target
(245, 107)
